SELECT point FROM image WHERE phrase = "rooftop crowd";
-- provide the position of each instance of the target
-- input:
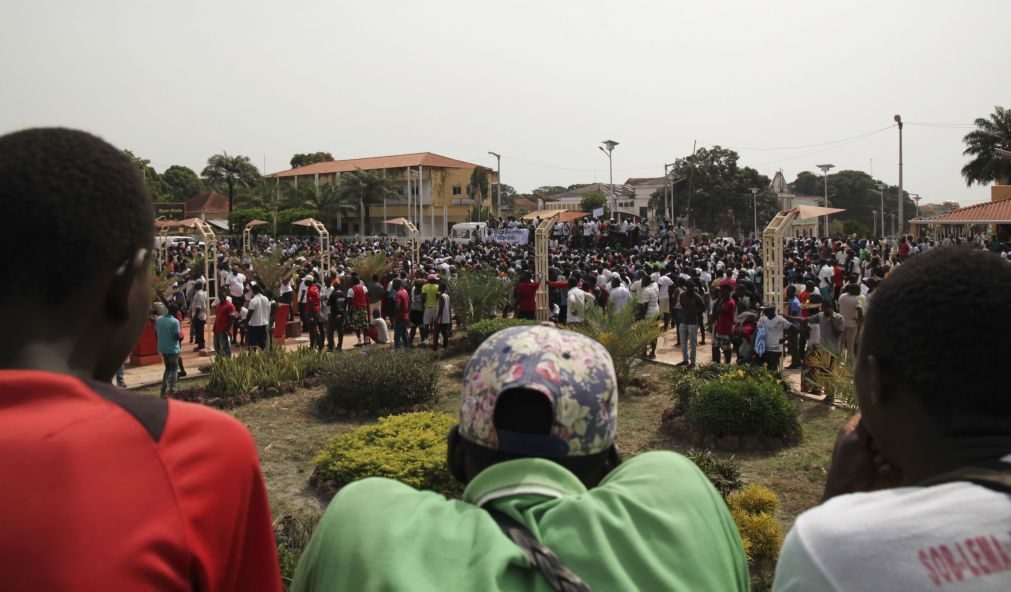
(109, 489)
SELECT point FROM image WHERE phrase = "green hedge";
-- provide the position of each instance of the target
(410, 448)
(478, 332)
(380, 380)
(738, 401)
(272, 368)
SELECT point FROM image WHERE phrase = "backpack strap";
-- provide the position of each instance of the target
(541, 557)
(995, 475)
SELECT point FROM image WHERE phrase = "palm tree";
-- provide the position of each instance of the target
(478, 184)
(327, 199)
(367, 187)
(624, 337)
(233, 171)
(987, 166)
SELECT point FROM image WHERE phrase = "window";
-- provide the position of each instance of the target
(457, 190)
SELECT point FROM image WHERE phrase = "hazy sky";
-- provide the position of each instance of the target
(541, 82)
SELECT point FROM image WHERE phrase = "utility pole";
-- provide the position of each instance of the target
(825, 168)
(881, 189)
(668, 192)
(498, 174)
(691, 186)
(754, 199)
(874, 223)
(901, 221)
(609, 145)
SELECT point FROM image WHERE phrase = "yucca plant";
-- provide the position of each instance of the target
(477, 295)
(270, 271)
(370, 265)
(833, 373)
(624, 337)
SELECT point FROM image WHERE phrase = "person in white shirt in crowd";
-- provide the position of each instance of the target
(258, 319)
(775, 326)
(379, 331)
(619, 296)
(650, 307)
(198, 314)
(576, 301)
(917, 494)
(851, 307)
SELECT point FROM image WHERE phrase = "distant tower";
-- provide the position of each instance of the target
(782, 191)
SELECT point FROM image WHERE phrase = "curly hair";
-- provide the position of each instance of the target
(73, 202)
(937, 325)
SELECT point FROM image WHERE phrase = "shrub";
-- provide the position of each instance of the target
(723, 473)
(272, 368)
(478, 332)
(621, 335)
(832, 371)
(410, 448)
(477, 295)
(292, 535)
(380, 379)
(754, 499)
(743, 403)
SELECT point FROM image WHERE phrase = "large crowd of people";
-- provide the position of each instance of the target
(110, 489)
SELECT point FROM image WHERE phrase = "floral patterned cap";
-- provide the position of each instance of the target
(573, 371)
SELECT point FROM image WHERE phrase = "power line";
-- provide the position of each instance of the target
(855, 139)
(562, 168)
(839, 141)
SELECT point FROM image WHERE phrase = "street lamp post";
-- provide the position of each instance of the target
(874, 223)
(881, 190)
(498, 186)
(754, 204)
(901, 221)
(916, 198)
(668, 189)
(607, 148)
(825, 168)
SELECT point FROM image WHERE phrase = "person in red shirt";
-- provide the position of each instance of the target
(723, 331)
(312, 312)
(401, 314)
(526, 295)
(224, 314)
(837, 280)
(105, 489)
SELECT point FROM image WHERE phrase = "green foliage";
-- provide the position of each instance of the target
(369, 265)
(181, 182)
(380, 379)
(273, 368)
(270, 271)
(719, 191)
(621, 335)
(410, 448)
(476, 295)
(365, 188)
(301, 160)
(831, 371)
(478, 188)
(753, 510)
(230, 172)
(739, 401)
(987, 165)
(478, 332)
(155, 184)
(478, 213)
(326, 200)
(592, 201)
(723, 473)
(286, 217)
(238, 219)
(292, 535)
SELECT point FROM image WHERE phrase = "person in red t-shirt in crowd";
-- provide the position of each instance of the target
(313, 311)
(526, 295)
(105, 489)
(224, 314)
(359, 318)
(723, 331)
(401, 314)
(837, 280)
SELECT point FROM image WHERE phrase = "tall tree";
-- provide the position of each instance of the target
(182, 183)
(592, 201)
(232, 171)
(301, 160)
(367, 188)
(987, 166)
(155, 185)
(478, 188)
(807, 183)
(721, 198)
(327, 199)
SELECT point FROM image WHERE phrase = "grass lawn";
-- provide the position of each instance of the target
(289, 432)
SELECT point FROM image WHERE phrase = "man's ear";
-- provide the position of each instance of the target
(118, 297)
(456, 455)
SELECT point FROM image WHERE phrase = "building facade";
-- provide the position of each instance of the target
(435, 193)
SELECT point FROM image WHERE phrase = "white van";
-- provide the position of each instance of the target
(466, 233)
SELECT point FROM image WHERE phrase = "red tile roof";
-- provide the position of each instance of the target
(524, 203)
(991, 212)
(633, 181)
(399, 161)
(208, 201)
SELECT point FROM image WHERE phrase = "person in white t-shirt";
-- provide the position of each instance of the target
(918, 495)
(576, 301)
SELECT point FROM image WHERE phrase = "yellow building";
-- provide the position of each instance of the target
(434, 196)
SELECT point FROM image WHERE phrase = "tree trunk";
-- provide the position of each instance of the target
(231, 194)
